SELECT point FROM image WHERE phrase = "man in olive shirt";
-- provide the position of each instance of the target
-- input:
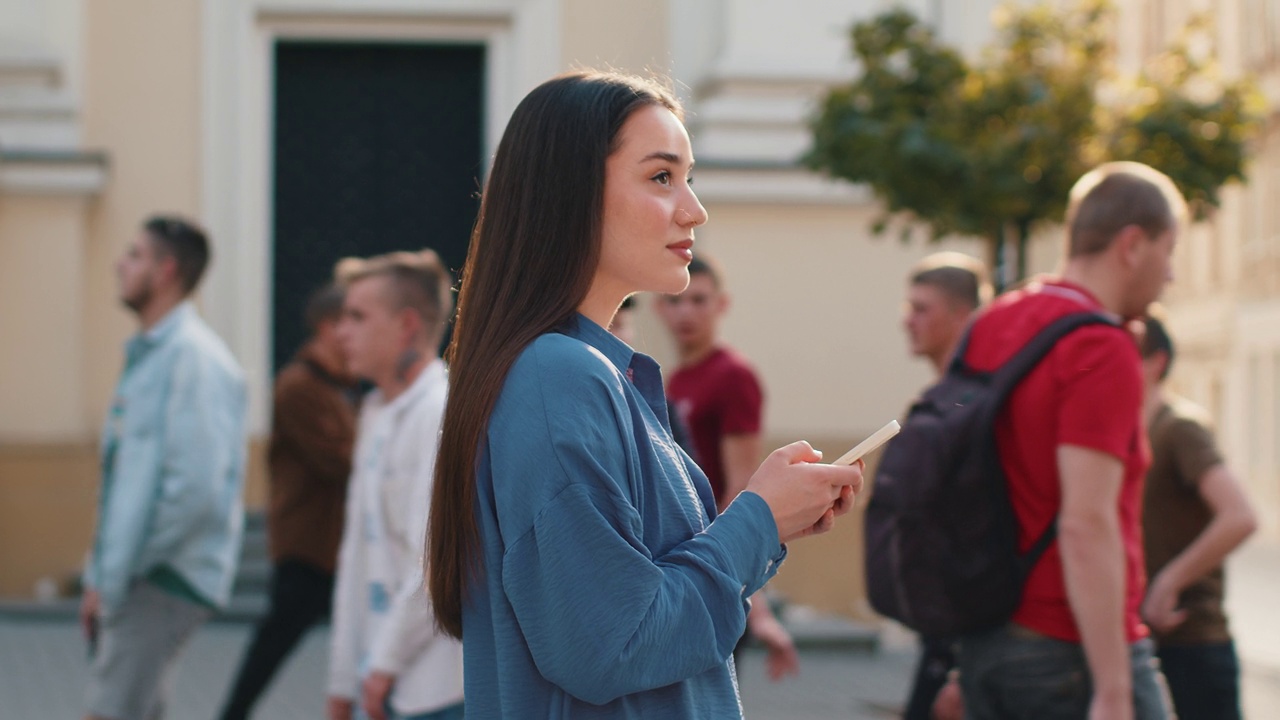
(1195, 513)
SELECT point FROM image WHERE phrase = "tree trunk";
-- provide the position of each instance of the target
(1024, 239)
(996, 258)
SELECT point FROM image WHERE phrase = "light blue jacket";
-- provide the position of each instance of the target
(173, 458)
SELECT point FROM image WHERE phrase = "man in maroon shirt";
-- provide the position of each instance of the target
(720, 402)
(1074, 451)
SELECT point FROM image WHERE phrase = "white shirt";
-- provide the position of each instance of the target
(382, 618)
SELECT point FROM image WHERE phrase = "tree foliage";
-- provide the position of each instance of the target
(991, 149)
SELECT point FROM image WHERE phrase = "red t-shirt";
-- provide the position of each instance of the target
(719, 395)
(1086, 392)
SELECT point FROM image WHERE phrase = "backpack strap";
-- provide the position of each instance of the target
(1015, 369)
(956, 365)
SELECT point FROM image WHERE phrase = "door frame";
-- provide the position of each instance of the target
(522, 48)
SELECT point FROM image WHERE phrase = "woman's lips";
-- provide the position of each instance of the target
(684, 249)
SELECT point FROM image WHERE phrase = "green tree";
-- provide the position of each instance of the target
(992, 149)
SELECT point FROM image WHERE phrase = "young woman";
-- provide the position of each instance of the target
(574, 543)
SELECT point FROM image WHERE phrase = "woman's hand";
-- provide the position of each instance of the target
(805, 497)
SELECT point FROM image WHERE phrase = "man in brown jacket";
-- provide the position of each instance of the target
(312, 432)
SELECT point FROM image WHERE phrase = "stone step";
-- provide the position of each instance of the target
(253, 577)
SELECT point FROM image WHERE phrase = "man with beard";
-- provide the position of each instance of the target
(173, 454)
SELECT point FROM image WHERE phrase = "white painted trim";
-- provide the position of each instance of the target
(522, 42)
(781, 186)
(57, 178)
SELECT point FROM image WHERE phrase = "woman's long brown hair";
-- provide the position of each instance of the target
(533, 254)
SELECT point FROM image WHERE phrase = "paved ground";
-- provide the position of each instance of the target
(1253, 601)
(43, 667)
(43, 673)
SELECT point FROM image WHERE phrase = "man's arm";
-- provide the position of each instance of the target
(741, 416)
(1233, 521)
(309, 418)
(740, 456)
(1094, 568)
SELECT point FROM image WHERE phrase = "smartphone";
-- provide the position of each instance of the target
(877, 439)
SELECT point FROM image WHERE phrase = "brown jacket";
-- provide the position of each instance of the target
(313, 429)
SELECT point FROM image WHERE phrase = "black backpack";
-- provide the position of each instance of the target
(941, 535)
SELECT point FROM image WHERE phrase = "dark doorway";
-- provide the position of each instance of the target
(377, 148)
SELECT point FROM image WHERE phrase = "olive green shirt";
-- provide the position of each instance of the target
(1174, 514)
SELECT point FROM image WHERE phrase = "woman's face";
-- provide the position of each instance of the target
(650, 210)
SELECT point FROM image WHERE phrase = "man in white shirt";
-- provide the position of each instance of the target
(387, 657)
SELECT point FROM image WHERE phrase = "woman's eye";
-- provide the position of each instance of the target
(663, 177)
(688, 180)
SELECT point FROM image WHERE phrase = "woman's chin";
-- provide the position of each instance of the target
(673, 284)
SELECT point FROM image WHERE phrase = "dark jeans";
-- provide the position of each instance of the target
(1015, 674)
(300, 597)
(936, 661)
(1204, 680)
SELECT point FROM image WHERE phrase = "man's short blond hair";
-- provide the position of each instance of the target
(962, 278)
(1116, 195)
(418, 281)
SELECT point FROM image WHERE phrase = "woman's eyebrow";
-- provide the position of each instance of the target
(660, 155)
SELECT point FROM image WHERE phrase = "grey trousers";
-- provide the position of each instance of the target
(138, 646)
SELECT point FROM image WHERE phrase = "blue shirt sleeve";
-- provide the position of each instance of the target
(604, 609)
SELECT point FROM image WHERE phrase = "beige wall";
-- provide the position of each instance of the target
(48, 504)
(142, 107)
(47, 500)
(142, 92)
(618, 34)
(41, 330)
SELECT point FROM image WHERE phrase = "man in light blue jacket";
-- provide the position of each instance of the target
(173, 456)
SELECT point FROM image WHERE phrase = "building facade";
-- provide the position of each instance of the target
(1224, 305)
(237, 112)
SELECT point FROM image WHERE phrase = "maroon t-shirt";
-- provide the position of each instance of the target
(717, 396)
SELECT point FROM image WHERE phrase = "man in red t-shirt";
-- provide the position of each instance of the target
(721, 403)
(1074, 451)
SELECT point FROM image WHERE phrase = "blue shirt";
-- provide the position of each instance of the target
(609, 589)
(173, 457)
